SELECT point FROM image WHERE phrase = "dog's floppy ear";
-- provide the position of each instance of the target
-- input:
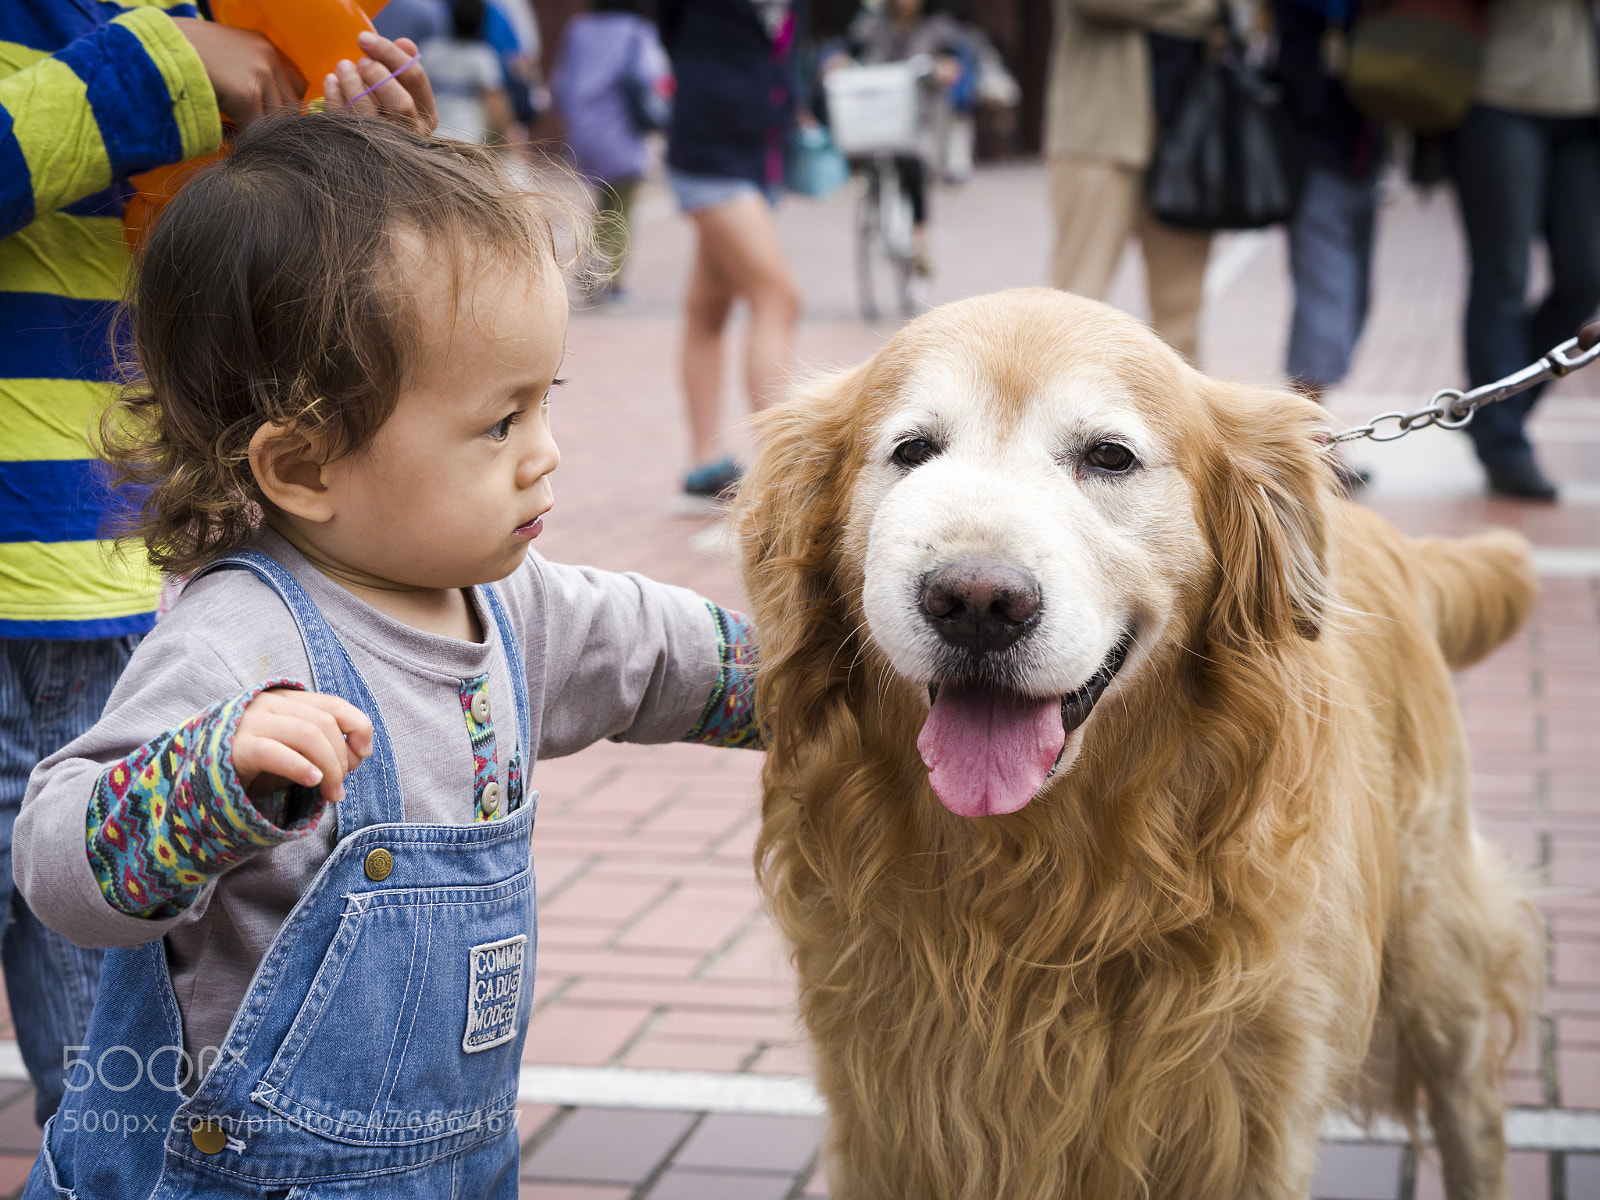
(789, 519)
(1269, 488)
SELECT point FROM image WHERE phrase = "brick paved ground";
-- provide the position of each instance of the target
(653, 950)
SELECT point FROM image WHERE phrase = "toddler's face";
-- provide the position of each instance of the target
(452, 489)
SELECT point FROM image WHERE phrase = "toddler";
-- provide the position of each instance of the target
(303, 819)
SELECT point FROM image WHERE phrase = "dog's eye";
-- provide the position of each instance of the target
(913, 452)
(1111, 457)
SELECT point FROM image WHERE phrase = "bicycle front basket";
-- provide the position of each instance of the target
(873, 110)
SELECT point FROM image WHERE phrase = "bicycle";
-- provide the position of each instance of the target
(884, 249)
(875, 116)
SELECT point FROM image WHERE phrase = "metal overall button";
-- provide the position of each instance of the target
(480, 708)
(491, 798)
(378, 865)
(209, 1137)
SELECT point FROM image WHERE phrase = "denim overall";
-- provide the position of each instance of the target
(378, 1048)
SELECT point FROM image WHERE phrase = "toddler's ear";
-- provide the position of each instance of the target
(290, 471)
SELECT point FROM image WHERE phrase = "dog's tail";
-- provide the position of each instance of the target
(1479, 589)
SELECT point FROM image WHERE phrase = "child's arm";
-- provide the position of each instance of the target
(202, 797)
(627, 658)
(176, 706)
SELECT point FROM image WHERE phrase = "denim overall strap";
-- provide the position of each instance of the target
(518, 677)
(372, 792)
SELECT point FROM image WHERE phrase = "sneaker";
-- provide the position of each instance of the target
(1520, 478)
(713, 481)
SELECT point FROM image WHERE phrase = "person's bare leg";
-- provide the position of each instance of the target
(706, 309)
(739, 243)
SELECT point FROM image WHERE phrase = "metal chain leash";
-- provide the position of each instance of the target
(1452, 408)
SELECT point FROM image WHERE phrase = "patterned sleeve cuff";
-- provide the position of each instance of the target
(729, 717)
(172, 816)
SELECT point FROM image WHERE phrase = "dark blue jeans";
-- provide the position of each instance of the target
(50, 693)
(1330, 260)
(1519, 177)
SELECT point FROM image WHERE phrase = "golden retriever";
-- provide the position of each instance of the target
(1116, 797)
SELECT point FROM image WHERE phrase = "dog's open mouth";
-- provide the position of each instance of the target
(989, 749)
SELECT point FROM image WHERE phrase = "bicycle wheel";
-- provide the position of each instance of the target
(895, 221)
(870, 253)
(884, 248)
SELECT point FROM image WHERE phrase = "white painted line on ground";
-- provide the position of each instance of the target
(11, 1066)
(679, 1091)
(796, 1096)
(1230, 261)
(1552, 1129)
(1572, 1130)
(1566, 562)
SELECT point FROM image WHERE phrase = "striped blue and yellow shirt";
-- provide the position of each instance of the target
(90, 93)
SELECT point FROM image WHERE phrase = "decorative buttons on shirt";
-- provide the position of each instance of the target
(209, 1137)
(491, 798)
(480, 708)
(379, 863)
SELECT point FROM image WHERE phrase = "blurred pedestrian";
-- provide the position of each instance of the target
(1331, 234)
(901, 30)
(734, 61)
(106, 92)
(613, 84)
(419, 20)
(512, 28)
(468, 78)
(1526, 164)
(1113, 64)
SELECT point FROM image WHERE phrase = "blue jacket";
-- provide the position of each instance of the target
(735, 101)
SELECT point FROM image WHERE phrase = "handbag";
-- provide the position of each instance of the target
(1228, 156)
(1417, 62)
(812, 164)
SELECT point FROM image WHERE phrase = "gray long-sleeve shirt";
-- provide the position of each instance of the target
(607, 656)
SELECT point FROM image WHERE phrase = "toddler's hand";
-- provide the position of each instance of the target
(307, 738)
(407, 98)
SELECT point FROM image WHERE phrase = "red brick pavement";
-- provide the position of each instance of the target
(653, 949)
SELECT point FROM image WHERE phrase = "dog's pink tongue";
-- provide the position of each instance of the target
(988, 751)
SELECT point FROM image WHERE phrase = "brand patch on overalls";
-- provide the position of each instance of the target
(493, 993)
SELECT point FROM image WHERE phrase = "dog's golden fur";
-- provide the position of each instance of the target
(1255, 895)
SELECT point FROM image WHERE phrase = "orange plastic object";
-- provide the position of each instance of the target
(153, 190)
(312, 34)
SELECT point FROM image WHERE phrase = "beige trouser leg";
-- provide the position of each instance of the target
(1095, 201)
(1175, 276)
(1098, 205)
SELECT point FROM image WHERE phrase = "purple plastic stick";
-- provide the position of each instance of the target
(406, 66)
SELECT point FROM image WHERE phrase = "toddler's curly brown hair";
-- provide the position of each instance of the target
(272, 290)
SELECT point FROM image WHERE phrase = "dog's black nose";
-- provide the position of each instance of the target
(981, 605)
